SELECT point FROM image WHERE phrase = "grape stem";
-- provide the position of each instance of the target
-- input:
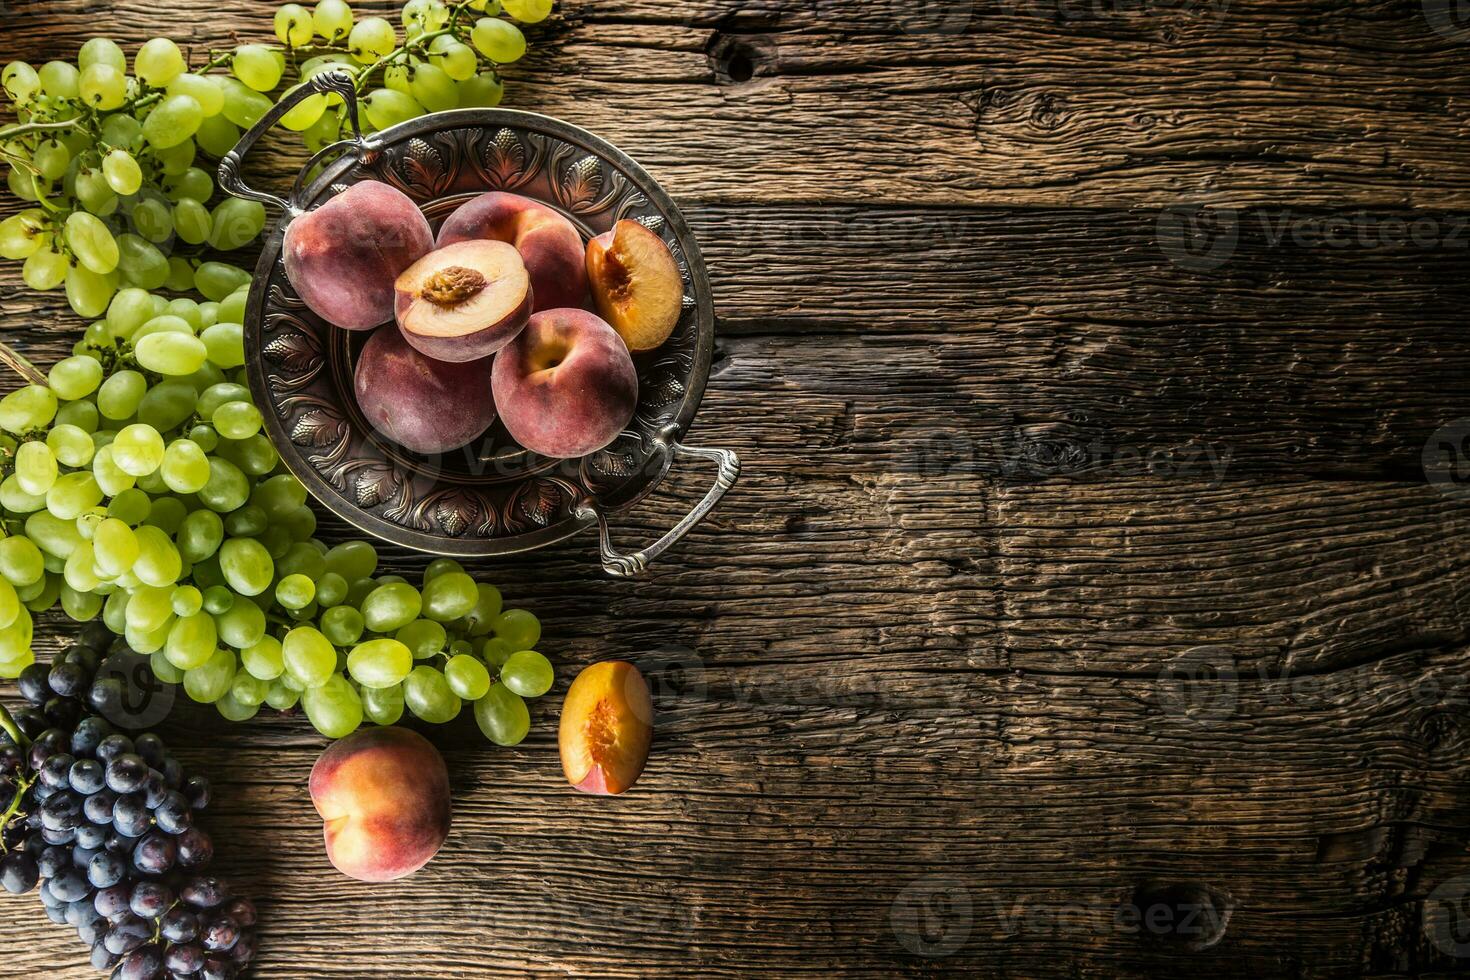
(22, 784)
(22, 366)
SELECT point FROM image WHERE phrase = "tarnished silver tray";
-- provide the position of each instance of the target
(492, 497)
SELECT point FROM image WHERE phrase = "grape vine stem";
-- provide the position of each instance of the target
(22, 366)
(22, 783)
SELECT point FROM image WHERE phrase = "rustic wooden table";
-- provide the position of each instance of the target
(1087, 605)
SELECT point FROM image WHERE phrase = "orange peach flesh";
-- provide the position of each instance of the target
(606, 728)
(635, 284)
(445, 299)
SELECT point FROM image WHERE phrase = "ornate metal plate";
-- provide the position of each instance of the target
(491, 497)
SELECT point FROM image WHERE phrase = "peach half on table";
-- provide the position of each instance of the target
(383, 794)
(424, 405)
(342, 257)
(635, 284)
(566, 385)
(464, 301)
(549, 244)
(606, 728)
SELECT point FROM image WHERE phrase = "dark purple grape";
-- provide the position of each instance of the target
(130, 816)
(242, 910)
(187, 958)
(81, 857)
(33, 724)
(93, 927)
(106, 870)
(69, 884)
(150, 899)
(150, 747)
(52, 860)
(113, 746)
(220, 934)
(119, 844)
(112, 902)
(65, 835)
(45, 745)
(107, 695)
(102, 957)
(195, 848)
(155, 853)
(196, 788)
(172, 813)
(57, 914)
(85, 776)
(74, 911)
(126, 773)
(96, 635)
(244, 950)
(11, 758)
(179, 925)
(216, 968)
(173, 773)
(56, 771)
(42, 793)
(86, 658)
(203, 893)
(98, 807)
(19, 873)
(127, 934)
(88, 735)
(91, 836)
(61, 811)
(68, 679)
(34, 683)
(63, 713)
(154, 788)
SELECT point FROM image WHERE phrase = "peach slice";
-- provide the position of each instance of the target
(635, 284)
(464, 301)
(606, 727)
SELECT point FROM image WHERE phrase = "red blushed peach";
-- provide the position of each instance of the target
(384, 795)
(423, 404)
(606, 727)
(635, 284)
(548, 242)
(464, 301)
(342, 258)
(566, 386)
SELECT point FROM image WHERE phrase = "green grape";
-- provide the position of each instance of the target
(332, 19)
(45, 270)
(449, 596)
(218, 394)
(101, 51)
(187, 310)
(216, 280)
(91, 242)
(232, 307)
(342, 625)
(122, 131)
(131, 507)
(173, 121)
(424, 15)
(485, 91)
(217, 135)
(246, 565)
(52, 158)
(433, 88)
(264, 660)
(331, 588)
(237, 420)
(208, 314)
(481, 619)
(115, 547)
(527, 673)
(103, 87)
(379, 663)
(21, 561)
(502, 716)
(218, 599)
(210, 681)
(235, 223)
(279, 495)
(82, 607)
(159, 62)
(499, 40)
(293, 24)
(140, 263)
(385, 107)
(371, 39)
(138, 449)
(200, 535)
(398, 77)
(157, 662)
(440, 566)
(72, 446)
(248, 689)
(257, 66)
(255, 455)
(59, 80)
(159, 563)
(225, 344)
(429, 697)
(247, 522)
(467, 677)
(455, 59)
(87, 523)
(46, 598)
(281, 697)
(35, 468)
(9, 605)
(122, 172)
(243, 106)
(80, 571)
(167, 404)
(22, 235)
(186, 601)
(352, 560)
(129, 310)
(309, 656)
(518, 627)
(109, 476)
(152, 218)
(180, 275)
(383, 705)
(118, 398)
(242, 625)
(21, 81)
(176, 159)
(322, 133)
(89, 293)
(527, 11)
(163, 323)
(231, 708)
(390, 607)
(227, 488)
(16, 500)
(295, 591)
(73, 493)
(185, 467)
(171, 353)
(304, 559)
(75, 377)
(146, 643)
(334, 708)
(167, 514)
(305, 113)
(203, 91)
(277, 541)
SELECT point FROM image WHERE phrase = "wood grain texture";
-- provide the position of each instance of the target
(1083, 609)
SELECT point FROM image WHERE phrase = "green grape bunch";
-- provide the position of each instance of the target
(136, 483)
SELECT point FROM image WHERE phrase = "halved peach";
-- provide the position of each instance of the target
(606, 727)
(635, 284)
(464, 301)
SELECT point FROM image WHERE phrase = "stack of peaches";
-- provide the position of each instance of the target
(492, 318)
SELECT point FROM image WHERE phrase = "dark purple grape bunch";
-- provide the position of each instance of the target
(103, 827)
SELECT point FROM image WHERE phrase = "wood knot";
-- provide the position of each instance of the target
(1186, 915)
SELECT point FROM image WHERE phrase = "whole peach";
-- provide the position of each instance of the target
(342, 258)
(384, 795)
(549, 244)
(423, 404)
(566, 385)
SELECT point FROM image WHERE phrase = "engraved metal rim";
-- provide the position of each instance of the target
(578, 519)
